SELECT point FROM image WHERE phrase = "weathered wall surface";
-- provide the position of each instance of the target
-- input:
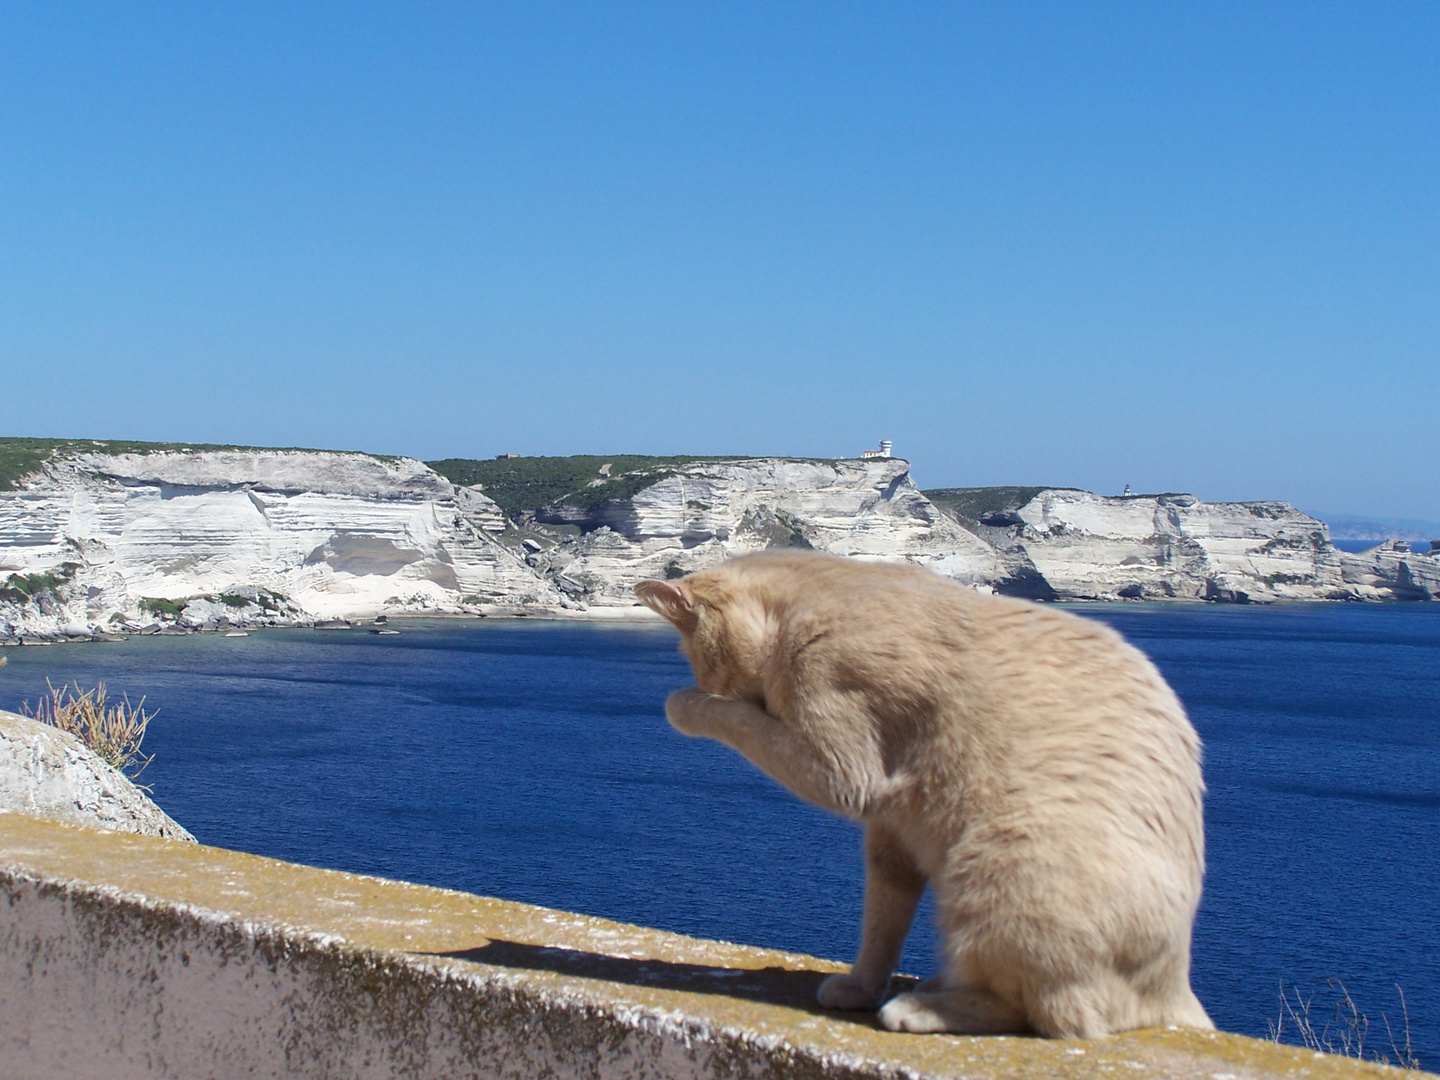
(125, 957)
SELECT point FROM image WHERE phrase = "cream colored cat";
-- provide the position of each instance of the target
(1029, 764)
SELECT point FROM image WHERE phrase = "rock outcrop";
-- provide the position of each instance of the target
(704, 513)
(1163, 547)
(1160, 547)
(94, 542)
(49, 773)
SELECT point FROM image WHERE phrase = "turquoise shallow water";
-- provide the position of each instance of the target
(532, 761)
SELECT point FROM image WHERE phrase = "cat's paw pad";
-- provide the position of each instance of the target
(847, 992)
(910, 1012)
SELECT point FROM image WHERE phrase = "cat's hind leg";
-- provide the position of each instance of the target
(892, 892)
(957, 1011)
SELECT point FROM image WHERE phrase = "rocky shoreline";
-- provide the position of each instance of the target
(396, 624)
(98, 543)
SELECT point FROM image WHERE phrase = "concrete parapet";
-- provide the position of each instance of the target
(130, 956)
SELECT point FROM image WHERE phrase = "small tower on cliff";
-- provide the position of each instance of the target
(883, 452)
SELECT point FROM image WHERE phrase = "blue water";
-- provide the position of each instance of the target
(532, 761)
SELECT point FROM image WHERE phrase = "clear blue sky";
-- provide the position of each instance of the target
(1184, 247)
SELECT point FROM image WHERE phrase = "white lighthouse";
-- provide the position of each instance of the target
(884, 451)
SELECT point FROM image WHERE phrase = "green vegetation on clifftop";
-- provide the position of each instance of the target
(526, 484)
(20, 456)
(973, 504)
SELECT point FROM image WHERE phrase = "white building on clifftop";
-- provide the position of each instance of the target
(883, 452)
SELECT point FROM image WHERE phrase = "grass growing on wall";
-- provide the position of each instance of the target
(1347, 1031)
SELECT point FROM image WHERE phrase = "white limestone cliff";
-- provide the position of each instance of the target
(1392, 571)
(1158, 547)
(707, 512)
(97, 542)
(1057, 545)
(247, 537)
(1166, 546)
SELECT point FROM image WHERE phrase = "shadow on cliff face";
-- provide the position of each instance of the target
(772, 985)
(352, 553)
(1028, 584)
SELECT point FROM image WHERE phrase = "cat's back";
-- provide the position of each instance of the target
(1026, 674)
(895, 613)
(863, 599)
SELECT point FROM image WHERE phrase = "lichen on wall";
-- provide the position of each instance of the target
(128, 956)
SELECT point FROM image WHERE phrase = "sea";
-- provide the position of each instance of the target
(531, 760)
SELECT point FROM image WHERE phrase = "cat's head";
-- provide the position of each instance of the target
(723, 631)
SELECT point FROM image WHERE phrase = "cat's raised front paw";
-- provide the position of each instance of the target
(685, 709)
(847, 992)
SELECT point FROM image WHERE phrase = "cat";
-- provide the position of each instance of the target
(1030, 765)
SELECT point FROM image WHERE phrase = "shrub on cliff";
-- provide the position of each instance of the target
(112, 731)
(22, 588)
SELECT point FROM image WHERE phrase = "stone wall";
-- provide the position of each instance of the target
(131, 956)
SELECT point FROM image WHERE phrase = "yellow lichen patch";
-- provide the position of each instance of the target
(760, 997)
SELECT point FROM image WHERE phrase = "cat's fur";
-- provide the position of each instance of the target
(1029, 764)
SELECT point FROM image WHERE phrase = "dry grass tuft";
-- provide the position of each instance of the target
(1347, 1029)
(113, 731)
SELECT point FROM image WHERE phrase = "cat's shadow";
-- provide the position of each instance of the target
(772, 985)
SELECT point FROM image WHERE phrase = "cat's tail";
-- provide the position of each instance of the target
(1091, 1011)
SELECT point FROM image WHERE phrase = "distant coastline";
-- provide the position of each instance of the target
(101, 539)
(1355, 529)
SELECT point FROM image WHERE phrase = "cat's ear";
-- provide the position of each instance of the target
(670, 600)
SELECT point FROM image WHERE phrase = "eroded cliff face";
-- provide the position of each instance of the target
(703, 514)
(98, 542)
(1050, 544)
(95, 542)
(1074, 545)
(1171, 546)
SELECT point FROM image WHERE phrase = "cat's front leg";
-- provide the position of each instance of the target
(765, 740)
(692, 712)
(893, 885)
